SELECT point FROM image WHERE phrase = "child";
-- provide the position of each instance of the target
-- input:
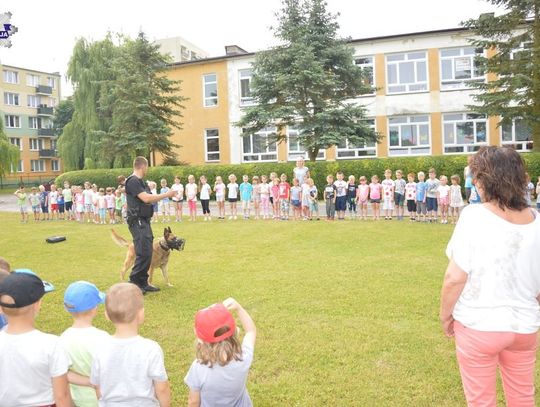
(399, 194)
(95, 195)
(219, 189)
(102, 206)
(410, 195)
(246, 192)
(329, 195)
(421, 197)
(111, 205)
(79, 204)
(44, 202)
(305, 198)
(88, 196)
(219, 373)
(443, 193)
(164, 204)
(191, 196)
(206, 190)
(375, 190)
(296, 199)
(456, 199)
(33, 198)
(155, 206)
(474, 198)
(538, 195)
(431, 195)
(388, 194)
(264, 189)
(313, 202)
(529, 190)
(273, 176)
(178, 199)
(274, 198)
(128, 369)
(82, 340)
(256, 196)
(53, 202)
(362, 197)
(118, 206)
(22, 202)
(284, 197)
(232, 187)
(35, 373)
(61, 205)
(341, 196)
(68, 200)
(352, 191)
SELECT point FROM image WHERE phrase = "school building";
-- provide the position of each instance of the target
(27, 109)
(419, 106)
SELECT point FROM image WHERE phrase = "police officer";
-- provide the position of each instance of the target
(139, 214)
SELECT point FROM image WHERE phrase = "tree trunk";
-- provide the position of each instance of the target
(313, 153)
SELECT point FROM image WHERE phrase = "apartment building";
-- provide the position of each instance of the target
(420, 105)
(27, 108)
(180, 49)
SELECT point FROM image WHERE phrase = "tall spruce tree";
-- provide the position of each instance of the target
(309, 82)
(9, 154)
(514, 92)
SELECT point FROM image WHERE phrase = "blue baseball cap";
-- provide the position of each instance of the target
(82, 296)
(46, 285)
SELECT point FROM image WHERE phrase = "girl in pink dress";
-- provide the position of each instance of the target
(375, 189)
(362, 197)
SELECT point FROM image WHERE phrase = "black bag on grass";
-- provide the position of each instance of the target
(55, 239)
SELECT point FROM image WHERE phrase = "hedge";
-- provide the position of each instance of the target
(447, 165)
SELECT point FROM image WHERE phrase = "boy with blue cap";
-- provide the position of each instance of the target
(82, 340)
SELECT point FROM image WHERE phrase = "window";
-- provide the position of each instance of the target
(517, 135)
(16, 142)
(464, 132)
(211, 146)
(51, 82)
(260, 146)
(55, 165)
(33, 100)
(245, 90)
(54, 144)
(52, 102)
(406, 72)
(36, 144)
(20, 167)
(409, 135)
(347, 150)
(367, 65)
(44, 123)
(37, 165)
(32, 80)
(33, 123)
(210, 90)
(296, 149)
(459, 67)
(11, 121)
(11, 77)
(11, 99)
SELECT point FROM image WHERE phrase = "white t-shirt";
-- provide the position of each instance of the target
(341, 188)
(28, 362)
(443, 190)
(265, 189)
(501, 260)
(125, 371)
(220, 190)
(53, 197)
(300, 173)
(205, 191)
(233, 190)
(191, 192)
(179, 189)
(88, 196)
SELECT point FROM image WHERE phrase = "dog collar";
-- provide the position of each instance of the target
(166, 248)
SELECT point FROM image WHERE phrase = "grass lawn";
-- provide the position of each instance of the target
(347, 313)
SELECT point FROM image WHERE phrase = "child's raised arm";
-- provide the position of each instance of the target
(249, 326)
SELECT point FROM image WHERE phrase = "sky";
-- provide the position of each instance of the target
(49, 29)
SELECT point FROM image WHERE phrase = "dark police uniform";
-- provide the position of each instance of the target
(139, 215)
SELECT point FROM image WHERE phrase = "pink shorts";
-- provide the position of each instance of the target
(443, 201)
(192, 205)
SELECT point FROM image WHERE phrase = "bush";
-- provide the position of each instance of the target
(447, 165)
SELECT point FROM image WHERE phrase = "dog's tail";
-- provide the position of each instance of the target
(119, 240)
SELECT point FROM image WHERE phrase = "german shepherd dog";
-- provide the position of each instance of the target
(160, 253)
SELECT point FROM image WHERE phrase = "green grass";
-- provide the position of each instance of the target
(347, 313)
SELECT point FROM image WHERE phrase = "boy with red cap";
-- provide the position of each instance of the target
(219, 374)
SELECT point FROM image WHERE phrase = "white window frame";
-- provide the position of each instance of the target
(245, 74)
(36, 99)
(466, 117)
(16, 121)
(11, 77)
(466, 57)
(16, 141)
(40, 163)
(33, 123)
(210, 82)
(31, 80)
(518, 145)
(271, 152)
(364, 65)
(54, 144)
(55, 163)
(20, 167)
(209, 136)
(407, 57)
(35, 144)
(357, 152)
(51, 81)
(401, 150)
(12, 99)
(297, 149)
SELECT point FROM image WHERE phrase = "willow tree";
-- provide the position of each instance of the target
(9, 154)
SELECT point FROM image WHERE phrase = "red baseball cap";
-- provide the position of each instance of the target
(209, 320)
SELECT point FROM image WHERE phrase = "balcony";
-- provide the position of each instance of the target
(45, 132)
(44, 90)
(45, 111)
(47, 153)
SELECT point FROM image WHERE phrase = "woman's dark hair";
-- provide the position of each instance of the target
(501, 173)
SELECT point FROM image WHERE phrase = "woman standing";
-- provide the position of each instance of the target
(300, 171)
(491, 291)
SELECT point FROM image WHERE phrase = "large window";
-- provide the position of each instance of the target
(459, 67)
(12, 122)
(409, 135)
(406, 72)
(51, 82)
(54, 144)
(296, 149)
(37, 165)
(464, 132)
(11, 77)
(20, 167)
(260, 146)
(33, 123)
(16, 142)
(32, 80)
(36, 144)
(11, 99)
(55, 165)
(517, 135)
(368, 70)
(245, 87)
(210, 90)
(347, 150)
(33, 101)
(211, 144)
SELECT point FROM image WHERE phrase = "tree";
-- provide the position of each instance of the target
(63, 115)
(309, 82)
(515, 37)
(9, 154)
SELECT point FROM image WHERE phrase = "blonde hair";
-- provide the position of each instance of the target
(443, 178)
(232, 177)
(123, 302)
(221, 353)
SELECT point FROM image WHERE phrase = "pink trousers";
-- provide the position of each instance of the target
(479, 353)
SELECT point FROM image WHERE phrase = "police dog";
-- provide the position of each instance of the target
(160, 253)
